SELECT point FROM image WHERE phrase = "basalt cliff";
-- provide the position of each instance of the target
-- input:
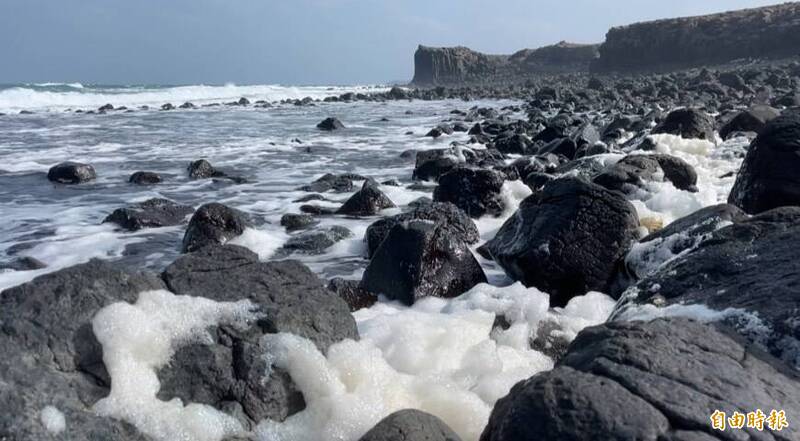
(663, 45)
(453, 65)
(771, 32)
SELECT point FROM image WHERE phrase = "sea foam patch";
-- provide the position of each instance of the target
(444, 357)
(138, 339)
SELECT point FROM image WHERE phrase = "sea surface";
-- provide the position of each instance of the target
(440, 356)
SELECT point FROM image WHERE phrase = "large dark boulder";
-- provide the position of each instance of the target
(770, 174)
(330, 124)
(749, 266)
(230, 371)
(213, 223)
(448, 215)
(751, 120)
(679, 236)
(476, 191)
(368, 201)
(152, 213)
(430, 164)
(71, 173)
(410, 425)
(419, 259)
(637, 169)
(50, 353)
(517, 144)
(659, 380)
(567, 239)
(687, 123)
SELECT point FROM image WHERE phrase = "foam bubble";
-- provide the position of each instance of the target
(53, 420)
(140, 338)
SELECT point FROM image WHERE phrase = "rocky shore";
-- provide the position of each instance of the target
(632, 322)
(707, 310)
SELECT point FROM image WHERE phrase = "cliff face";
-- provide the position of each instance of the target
(456, 65)
(768, 32)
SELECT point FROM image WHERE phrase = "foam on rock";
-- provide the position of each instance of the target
(140, 338)
(444, 357)
(53, 420)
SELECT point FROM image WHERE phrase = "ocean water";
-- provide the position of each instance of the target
(441, 356)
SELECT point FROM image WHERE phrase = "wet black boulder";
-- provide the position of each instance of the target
(430, 164)
(637, 169)
(144, 178)
(410, 425)
(517, 144)
(71, 173)
(330, 124)
(368, 201)
(419, 259)
(446, 214)
(687, 123)
(658, 380)
(316, 241)
(295, 221)
(567, 239)
(751, 120)
(51, 355)
(213, 223)
(330, 182)
(770, 174)
(202, 169)
(680, 235)
(749, 266)
(229, 373)
(476, 191)
(152, 213)
(352, 293)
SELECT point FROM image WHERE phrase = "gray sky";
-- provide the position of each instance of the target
(290, 41)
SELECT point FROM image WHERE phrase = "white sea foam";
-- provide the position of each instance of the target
(715, 166)
(440, 356)
(140, 338)
(53, 420)
(27, 98)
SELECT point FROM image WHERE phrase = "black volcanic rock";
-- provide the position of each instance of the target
(410, 425)
(671, 44)
(71, 173)
(419, 259)
(476, 191)
(230, 371)
(448, 215)
(567, 239)
(152, 213)
(637, 169)
(770, 174)
(144, 178)
(330, 124)
(368, 201)
(52, 357)
(213, 223)
(753, 256)
(751, 120)
(687, 123)
(658, 380)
